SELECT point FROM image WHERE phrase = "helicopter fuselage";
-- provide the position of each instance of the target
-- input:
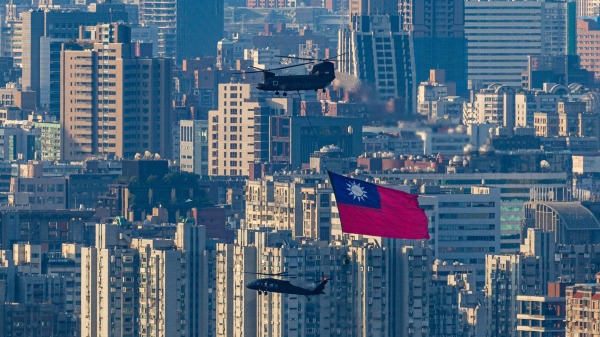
(321, 75)
(266, 285)
(295, 83)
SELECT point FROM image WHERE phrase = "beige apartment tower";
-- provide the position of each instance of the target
(112, 103)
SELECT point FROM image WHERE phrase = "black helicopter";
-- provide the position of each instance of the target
(320, 76)
(269, 284)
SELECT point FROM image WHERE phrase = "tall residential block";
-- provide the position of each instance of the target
(109, 266)
(588, 38)
(111, 102)
(12, 34)
(376, 50)
(408, 285)
(300, 204)
(55, 24)
(514, 280)
(239, 129)
(373, 7)
(588, 8)
(464, 227)
(193, 146)
(144, 286)
(186, 28)
(293, 140)
(583, 301)
(542, 316)
(514, 30)
(356, 302)
(438, 34)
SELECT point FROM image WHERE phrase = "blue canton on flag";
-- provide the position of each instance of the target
(355, 192)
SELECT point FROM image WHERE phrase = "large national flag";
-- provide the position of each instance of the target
(369, 209)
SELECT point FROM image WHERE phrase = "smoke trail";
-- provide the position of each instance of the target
(346, 81)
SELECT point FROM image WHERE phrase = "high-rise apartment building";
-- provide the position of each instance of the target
(515, 190)
(494, 104)
(438, 34)
(193, 146)
(514, 280)
(132, 286)
(109, 266)
(163, 15)
(162, 274)
(588, 38)
(542, 316)
(239, 129)
(235, 305)
(200, 26)
(300, 204)
(356, 300)
(376, 50)
(373, 7)
(513, 30)
(11, 38)
(53, 24)
(294, 139)
(588, 8)
(531, 101)
(583, 301)
(408, 279)
(452, 285)
(464, 227)
(112, 103)
(186, 28)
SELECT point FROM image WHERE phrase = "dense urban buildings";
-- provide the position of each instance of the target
(513, 31)
(148, 187)
(378, 52)
(438, 38)
(186, 28)
(118, 107)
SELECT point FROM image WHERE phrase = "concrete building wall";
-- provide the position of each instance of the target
(194, 146)
(514, 30)
(231, 131)
(588, 8)
(588, 37)
(466, 227)
(583, 303)
(120, 109)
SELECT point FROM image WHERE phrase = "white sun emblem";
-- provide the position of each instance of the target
(357, 191)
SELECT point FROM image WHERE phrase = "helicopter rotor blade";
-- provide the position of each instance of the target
(298, 58)
(336, 56)
(267, 274)
(311, 59)
(280, 68)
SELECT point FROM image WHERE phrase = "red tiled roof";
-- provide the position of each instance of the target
(596, 296)
(577, 295)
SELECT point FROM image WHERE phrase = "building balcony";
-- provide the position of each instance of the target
(539, 329)
(540, 317)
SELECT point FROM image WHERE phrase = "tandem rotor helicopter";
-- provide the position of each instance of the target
(319, 77)
(275, 285)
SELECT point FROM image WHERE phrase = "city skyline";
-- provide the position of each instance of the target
(165, 168)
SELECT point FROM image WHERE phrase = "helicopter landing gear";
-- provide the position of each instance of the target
(277, 93)
(260, 292)
(284, 94)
